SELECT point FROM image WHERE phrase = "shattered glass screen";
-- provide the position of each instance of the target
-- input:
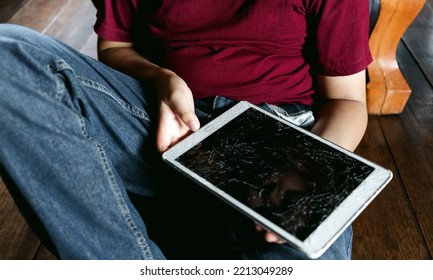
(285, 175)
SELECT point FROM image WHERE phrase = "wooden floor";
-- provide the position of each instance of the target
(399, 222)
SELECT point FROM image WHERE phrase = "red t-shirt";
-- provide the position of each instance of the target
(242, 49)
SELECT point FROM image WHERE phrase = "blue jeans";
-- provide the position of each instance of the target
(77, 154)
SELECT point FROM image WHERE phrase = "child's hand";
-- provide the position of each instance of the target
(270, 236)
(176, 110)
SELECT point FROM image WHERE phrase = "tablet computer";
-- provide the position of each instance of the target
(288, 180)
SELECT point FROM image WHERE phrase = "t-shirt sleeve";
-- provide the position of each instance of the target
(342, 37)
(114, 19)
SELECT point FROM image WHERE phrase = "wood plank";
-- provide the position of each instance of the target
(30, 14)
(70, 21)
(44, 254)
(17, 241)
(388, 228)
(89, 47)
(411, 139)
(400, 219)
(421, 88)
(74, 25)
(419, 37)
(9, 7)
(412, 150)
(424, 118)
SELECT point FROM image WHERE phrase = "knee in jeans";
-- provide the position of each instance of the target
(20, 49)
(12, 33)
(17, 43)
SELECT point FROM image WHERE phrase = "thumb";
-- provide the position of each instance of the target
(184, 108)
(190, 119)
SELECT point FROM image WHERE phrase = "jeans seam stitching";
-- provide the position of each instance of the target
(141, 240)
(140, 113)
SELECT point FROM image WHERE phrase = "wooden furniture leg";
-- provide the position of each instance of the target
(387, 90)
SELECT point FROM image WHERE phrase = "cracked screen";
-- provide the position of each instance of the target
(285, 175)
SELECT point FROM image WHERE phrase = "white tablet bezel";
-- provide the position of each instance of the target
(329, 230)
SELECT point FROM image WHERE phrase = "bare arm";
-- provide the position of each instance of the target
(175, 100)
(343, 118)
